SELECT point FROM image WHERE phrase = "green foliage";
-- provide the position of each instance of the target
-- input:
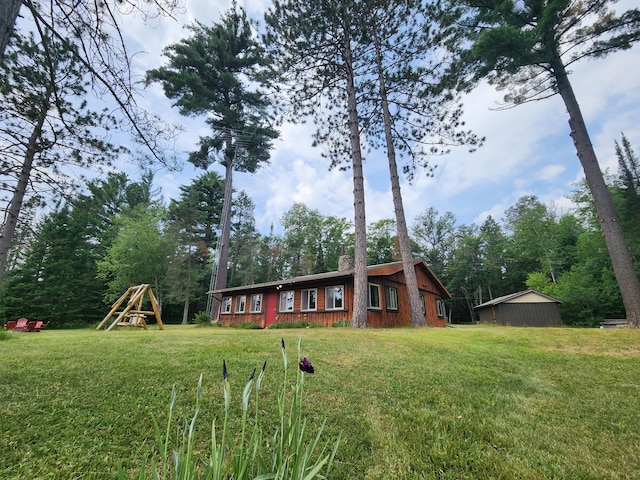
(57, 282)
(381, 242)
(246, 326)
(312, 242)
(341, 323)
(210, 74)
(521, 43)
(252, 453)
(299, 324)
(138, 255)
(202, 319)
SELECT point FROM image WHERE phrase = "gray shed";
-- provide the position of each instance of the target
(529, 308)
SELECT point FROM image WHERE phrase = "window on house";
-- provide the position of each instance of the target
(334, 298)
(440, 307)
(241, 301)
(374, 296)
(286, 301)
(424, 308)
(391, 297)
(256, 303)
(226, 305)
(309, 298)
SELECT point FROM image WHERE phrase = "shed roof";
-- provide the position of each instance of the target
(384, 269)
(513, 296)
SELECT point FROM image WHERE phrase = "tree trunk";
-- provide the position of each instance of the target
(415, 305)
(359, 315)
(8, 229)
(223, 245)
(611, 230)
(187, 293)
(9, 10)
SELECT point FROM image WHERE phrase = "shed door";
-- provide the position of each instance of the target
(270, 307)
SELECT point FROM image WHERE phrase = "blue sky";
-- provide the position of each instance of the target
(528, 150)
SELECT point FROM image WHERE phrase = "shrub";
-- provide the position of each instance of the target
(343, 322)
(202, 319)
(246, 326)
(300, 324)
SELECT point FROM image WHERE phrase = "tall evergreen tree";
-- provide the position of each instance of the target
(525, 46)
(409, 104)
(213, 74)
(57, 280)
(627, 188)
(319, 64)
(193, 219)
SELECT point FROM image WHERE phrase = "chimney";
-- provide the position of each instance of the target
(345, 262)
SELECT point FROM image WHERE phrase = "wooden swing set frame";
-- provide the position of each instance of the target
(133, 315)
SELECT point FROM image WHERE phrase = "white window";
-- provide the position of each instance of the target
(424, 308)
(308, 300)
(286, 301)
(226, 305)
(241, 301)
(440, 307)
(334, 298)
(391, 297)
(256, 303)
(374, 296)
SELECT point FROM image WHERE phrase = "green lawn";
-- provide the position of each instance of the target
(454, 403)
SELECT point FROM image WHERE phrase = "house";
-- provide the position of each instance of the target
(528, 308)
(327, 298)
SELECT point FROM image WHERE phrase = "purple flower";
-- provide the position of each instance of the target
(305, 366)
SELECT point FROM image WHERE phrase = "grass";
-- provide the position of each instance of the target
(455, 403)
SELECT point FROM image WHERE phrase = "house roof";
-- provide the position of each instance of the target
(372, 270)
(513, 296)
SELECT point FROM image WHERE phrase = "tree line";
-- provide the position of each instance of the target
(389, 76)
(89, 251)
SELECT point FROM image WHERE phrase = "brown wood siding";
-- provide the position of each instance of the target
(522, 314)
(386, 276)
(319, 316)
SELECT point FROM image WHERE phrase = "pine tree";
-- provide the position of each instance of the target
(44, 124)
(526, 47)
(209, 74)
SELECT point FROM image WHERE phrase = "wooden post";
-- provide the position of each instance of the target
(156, 309)
(114, 308)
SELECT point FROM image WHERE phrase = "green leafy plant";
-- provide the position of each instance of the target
(202, 319)
(289, 453)
(343, 322)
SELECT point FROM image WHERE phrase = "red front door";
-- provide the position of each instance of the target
(270, 306)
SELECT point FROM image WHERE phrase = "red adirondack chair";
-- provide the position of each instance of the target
(31, 327)
(9, 325)
(21, 325)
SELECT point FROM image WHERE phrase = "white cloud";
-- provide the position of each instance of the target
(528, 149)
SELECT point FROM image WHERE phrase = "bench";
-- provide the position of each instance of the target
(613, 323)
